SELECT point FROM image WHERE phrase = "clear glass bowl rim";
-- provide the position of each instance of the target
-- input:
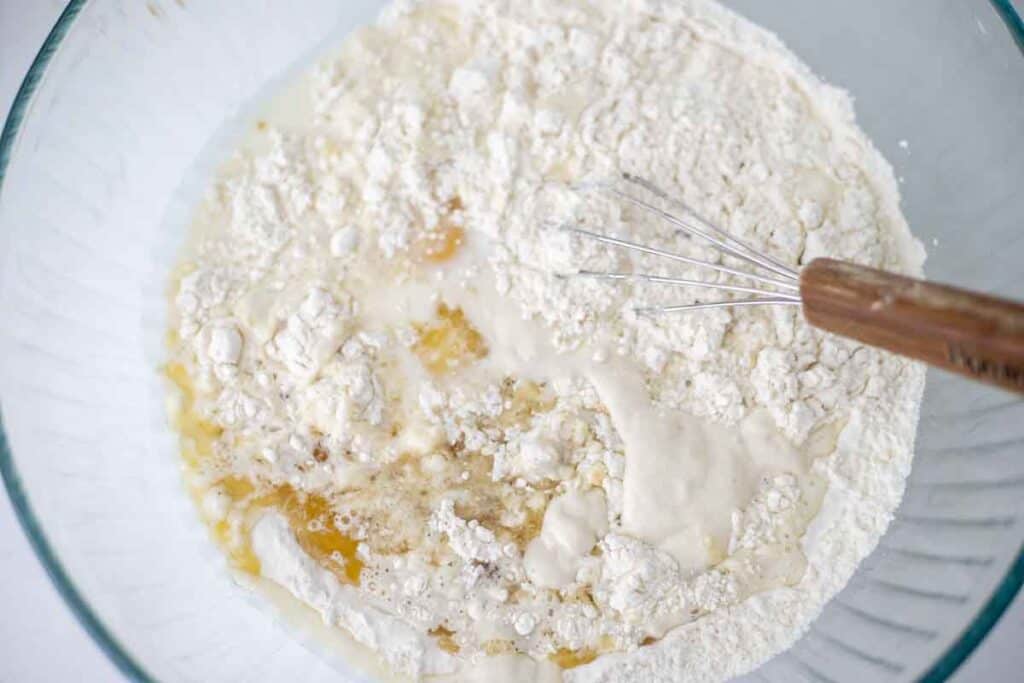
(941, 670)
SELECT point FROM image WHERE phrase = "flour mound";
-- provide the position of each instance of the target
(444, 440)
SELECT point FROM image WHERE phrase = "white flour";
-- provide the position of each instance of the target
(532, 475)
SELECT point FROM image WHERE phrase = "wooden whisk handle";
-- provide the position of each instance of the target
(965, 332)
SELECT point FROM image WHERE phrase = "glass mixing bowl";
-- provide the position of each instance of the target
(110, 141)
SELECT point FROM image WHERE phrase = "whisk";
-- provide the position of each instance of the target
(973, 334)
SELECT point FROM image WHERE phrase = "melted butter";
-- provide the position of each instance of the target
(499, 647)
(396, 505)
(448, 342)
(310, 516)
(570, 659)
(393, 502)
(440, 246)
(311, 519)
(240, 554)
(197, 435)
(444, 242)
(527, 399)
(445, 639)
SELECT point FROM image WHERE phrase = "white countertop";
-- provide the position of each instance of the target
(39, 638)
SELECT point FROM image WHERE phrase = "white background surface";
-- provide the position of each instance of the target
(40, 641)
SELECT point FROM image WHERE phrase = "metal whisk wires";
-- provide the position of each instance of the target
(775, 284)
